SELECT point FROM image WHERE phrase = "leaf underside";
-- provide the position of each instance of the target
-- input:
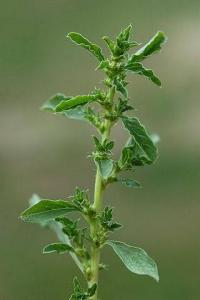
(135, 259)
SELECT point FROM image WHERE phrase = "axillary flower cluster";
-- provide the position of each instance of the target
(102, 108)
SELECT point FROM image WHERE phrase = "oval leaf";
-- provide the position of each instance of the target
(145, 151)
(85, 43)
(47, 210)
(57, 247)
(74, 101)
(135, 259)
(151, 47)
(129, 182)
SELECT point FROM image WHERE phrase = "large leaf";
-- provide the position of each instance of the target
(144, 150)
(58, 248)
(151, 47)
(138, 68)
(135, 259)
(74, 101)
(105, 167)
(57, 228)
(47, 210)
(34, 200)
(85, 43)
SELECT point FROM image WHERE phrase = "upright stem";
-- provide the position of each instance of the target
(97, 205)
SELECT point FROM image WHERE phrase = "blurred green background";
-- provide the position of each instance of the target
(46, 154)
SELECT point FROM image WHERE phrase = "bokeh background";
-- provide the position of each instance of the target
(43, 153)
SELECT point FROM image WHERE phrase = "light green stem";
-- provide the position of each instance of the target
(97, 205)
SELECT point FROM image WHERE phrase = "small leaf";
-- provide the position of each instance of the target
(74, 101)
(139, 69)
(124, 34)
(144, 149)
(50, 105)
(92, 290)
(47, 210)
(135, 259)
(106, 219)
(129, 182)
(85, 43)
(151, 47)
(57, 247)
(110, 44)
(121, 87)
(105, 167)
(79, 293)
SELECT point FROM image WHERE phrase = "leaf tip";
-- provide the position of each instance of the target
(156, 276)
(69, 34)
(162, 36)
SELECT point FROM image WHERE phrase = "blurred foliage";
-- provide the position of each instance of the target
(38, 151)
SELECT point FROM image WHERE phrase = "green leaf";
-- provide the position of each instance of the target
(129, 182)
(141, 144)
(47, 210)
(79, 293)
(139, 69)
(92, 290)
(105, 167)
(74, 101)
(110, 44)
(125, 33)
(77, 113)
(85, 43)
(57, 228)
(34, 200)
(106, 219)
(57, 247)
(122, 43)
(50, 105)
(135, 259)
(151, 47)
(121, 87)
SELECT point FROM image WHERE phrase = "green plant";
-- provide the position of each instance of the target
(102, 108)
